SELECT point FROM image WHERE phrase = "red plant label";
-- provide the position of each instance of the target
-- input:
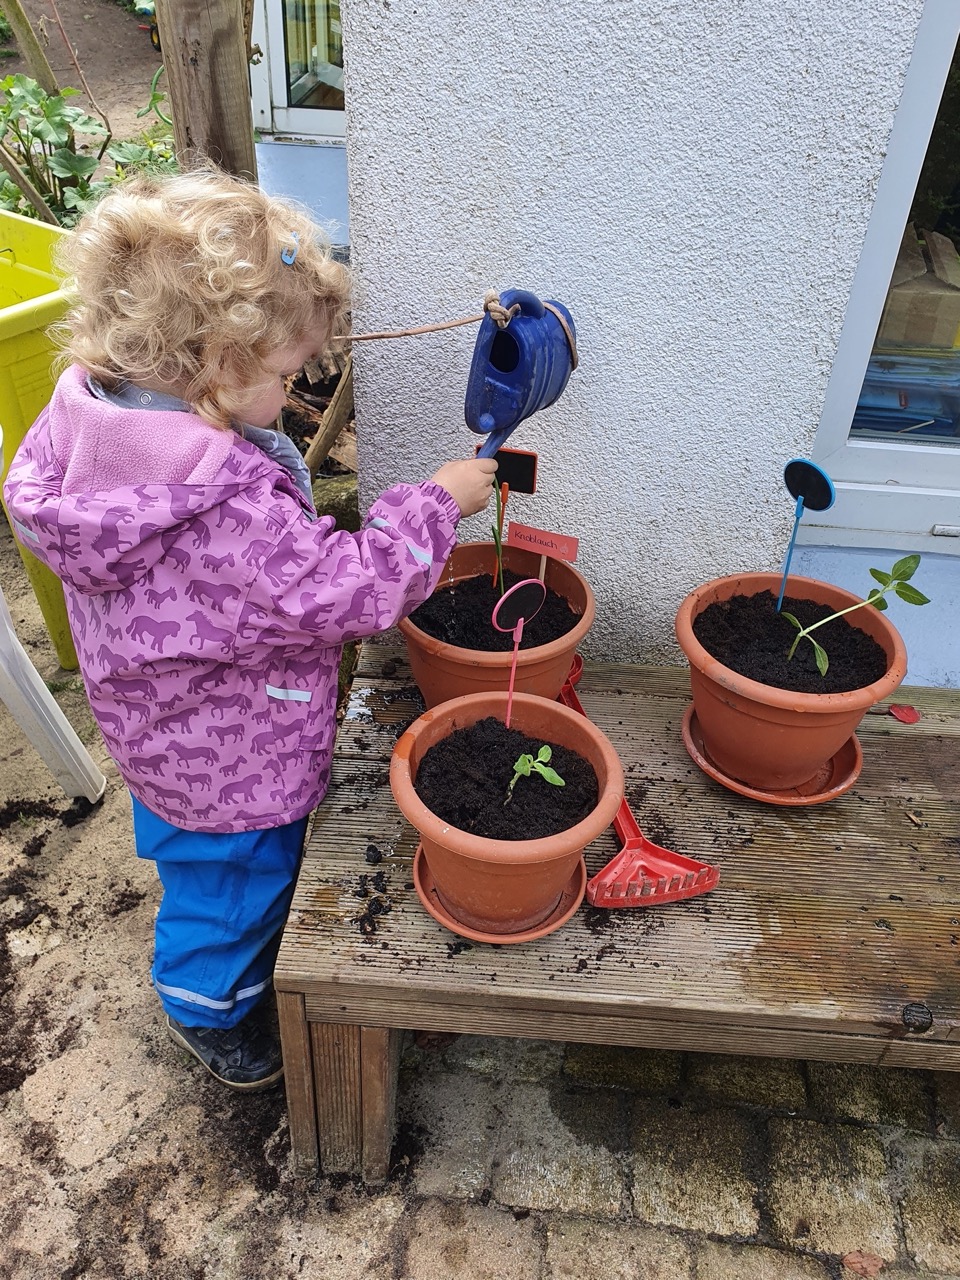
(904, 713)
(559, 545)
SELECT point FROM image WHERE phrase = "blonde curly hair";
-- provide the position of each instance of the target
(179, 280)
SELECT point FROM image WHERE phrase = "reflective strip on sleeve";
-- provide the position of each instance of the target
(288, 695)
(417, 552)
(24, 532)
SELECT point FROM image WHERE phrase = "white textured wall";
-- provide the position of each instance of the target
(693, 180)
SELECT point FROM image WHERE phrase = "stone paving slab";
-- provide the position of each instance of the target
(875, 1095)
(829, 1189)
(758, 1082)
(578, 1248)
(746, 1262)
(477, 1242)
(931, 1203)
(692, 1168)
(556, 1152)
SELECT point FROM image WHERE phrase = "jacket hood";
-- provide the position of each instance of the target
(78, 493)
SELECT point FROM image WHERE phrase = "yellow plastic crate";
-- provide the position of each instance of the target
(30, 300)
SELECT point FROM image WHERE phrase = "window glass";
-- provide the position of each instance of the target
(314, 54)
(911, 390)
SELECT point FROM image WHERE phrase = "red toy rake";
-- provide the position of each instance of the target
(642, 874)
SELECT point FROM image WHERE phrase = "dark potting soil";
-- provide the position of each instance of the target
(461, 615)
(464, 781)
(747, 634)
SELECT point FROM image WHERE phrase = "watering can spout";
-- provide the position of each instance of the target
(520, 365)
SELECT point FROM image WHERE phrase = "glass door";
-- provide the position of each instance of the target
(890, 431)
(298, 87)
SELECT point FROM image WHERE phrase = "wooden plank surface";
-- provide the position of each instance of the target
(827, 922)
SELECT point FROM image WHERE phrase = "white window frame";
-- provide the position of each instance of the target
(890, 494)
(268, 85)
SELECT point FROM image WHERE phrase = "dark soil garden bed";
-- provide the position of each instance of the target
(464, 781)
(747, 634)
(461, 615)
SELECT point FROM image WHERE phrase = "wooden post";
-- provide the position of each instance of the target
(26, 38)
(338, 414)
(205, 59)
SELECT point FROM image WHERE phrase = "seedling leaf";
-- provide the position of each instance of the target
(821, 656)
(883, 578)
(905, 568)
(910, 594)
(790, 618)
(551, 776)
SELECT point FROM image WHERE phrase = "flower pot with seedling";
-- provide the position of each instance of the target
(504, 813)
(452, 647)
(778, 693)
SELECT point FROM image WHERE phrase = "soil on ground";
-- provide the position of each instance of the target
(465, 778)
(461, 615)
(747, 634)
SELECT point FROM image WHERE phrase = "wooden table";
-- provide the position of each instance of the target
(834, 933)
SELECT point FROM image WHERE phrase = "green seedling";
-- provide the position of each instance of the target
(527, 764)
(497, 529)
(897, 581)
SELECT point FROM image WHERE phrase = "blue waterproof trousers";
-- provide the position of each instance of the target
(225, 901)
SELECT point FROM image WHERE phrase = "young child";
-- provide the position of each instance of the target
(207, 601)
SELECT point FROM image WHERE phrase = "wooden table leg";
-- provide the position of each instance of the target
(337, 1083)
(379, 1059)
(298, 1081)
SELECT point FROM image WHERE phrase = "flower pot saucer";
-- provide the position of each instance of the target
(570, 900)
(833, 779)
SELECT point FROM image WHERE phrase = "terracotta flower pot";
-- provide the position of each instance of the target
(444, 671)
(776, 739)
(504, 886)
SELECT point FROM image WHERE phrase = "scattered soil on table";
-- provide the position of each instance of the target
(747, 634)
(461, 614)
(464, 781)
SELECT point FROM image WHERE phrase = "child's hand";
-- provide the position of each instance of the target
(469, 482)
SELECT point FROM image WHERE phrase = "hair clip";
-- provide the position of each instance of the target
(289, 256)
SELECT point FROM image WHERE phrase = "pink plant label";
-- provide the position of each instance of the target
(558, 545)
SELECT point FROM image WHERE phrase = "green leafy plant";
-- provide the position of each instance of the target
(527, 764)
(897, 581)
(156, 100)
(43, 133)
(497, 530)
(52, 152)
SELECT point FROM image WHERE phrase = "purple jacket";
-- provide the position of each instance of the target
(207, 603)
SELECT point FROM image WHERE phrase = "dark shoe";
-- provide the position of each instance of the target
(241, 1057)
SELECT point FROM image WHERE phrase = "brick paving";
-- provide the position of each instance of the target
(629, 1162)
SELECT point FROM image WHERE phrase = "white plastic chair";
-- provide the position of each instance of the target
(35, 710)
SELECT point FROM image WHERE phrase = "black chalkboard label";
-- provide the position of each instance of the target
(518, 469)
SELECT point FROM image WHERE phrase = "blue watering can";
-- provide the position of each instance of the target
(520, 365)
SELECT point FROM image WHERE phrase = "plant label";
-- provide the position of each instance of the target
(559, 545)
(518, 469)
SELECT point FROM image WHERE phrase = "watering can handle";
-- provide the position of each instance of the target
(494, 441)
(529, 303)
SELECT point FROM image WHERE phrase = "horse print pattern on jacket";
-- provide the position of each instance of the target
(207, 602)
